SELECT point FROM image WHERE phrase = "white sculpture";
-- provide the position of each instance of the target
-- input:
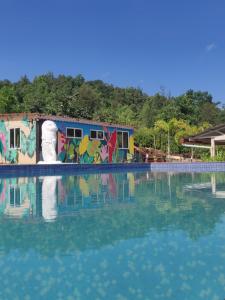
(49, 198)
(49, 130)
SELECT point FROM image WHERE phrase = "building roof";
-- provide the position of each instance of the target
(206, 136)
(37, 116)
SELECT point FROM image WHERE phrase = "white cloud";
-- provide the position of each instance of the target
(210, 47)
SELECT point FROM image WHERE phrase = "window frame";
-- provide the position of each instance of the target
(128, 136)
(14, 140)
(74, 137)
(96, 134)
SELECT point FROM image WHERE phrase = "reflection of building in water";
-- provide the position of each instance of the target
(18, 197)
(217, 189)
(51, 196)
(95, 191)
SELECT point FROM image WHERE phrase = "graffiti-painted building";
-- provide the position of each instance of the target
(78, 141)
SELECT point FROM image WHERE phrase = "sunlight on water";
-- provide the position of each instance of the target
(113, 236)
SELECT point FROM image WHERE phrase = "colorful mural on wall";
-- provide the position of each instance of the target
(77, 142)
(26, 153)
(87, 150)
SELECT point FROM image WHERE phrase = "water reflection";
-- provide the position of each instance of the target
(53, 196)
(18, 197)
(215, 186)
(158, 200)
(114, 236)
(49, 198)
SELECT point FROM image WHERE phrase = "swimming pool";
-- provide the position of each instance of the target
(125, 235)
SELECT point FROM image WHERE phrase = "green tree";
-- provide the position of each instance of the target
(161, 120)
(81, 104)
(144, 137)
(151, 109)
(106, 114)
(8, 100)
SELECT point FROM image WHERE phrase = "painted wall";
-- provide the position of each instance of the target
(83, 150)
(27, 152)
(88, 150)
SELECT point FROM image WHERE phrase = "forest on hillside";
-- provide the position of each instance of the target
(156, 118)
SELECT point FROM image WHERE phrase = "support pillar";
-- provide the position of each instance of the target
(213, 148)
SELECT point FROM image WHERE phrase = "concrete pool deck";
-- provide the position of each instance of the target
(70, 168)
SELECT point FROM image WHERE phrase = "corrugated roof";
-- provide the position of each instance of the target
(37, 116)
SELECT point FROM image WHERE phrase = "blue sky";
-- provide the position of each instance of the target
(175, 44)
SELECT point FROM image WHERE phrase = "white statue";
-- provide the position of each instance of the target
(49, 198)
(49, 130)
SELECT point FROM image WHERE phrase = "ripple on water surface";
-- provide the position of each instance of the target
(113, 236)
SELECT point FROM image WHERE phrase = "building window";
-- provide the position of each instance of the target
(97, 134)
(74, 133)
(122, 139)
(15, 138)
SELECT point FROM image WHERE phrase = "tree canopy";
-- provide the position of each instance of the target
(158, 118)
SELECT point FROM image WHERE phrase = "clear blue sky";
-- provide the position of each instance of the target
(177, 44)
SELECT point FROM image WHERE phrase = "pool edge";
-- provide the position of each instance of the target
(70, 168)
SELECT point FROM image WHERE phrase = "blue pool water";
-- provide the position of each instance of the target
(113, 236)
